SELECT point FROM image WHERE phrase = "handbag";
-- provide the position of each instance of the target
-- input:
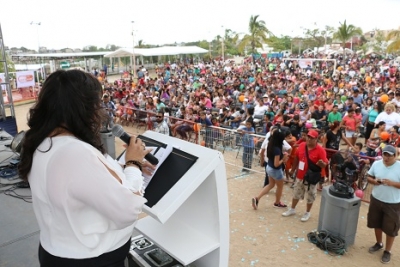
(313, 174)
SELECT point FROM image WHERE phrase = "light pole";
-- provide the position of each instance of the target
(42, 70)
(222, 45)
(133, 52)
(209, 47)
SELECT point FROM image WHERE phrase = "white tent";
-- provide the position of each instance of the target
(29, 66)
(158, 51)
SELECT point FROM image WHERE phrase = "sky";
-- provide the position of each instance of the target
(75, 24)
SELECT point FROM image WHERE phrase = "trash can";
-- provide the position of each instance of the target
(339, 216)
(108, 141)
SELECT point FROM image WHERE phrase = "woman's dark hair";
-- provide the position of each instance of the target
(70, 100)
(380, 124)
(334, 125)
(250, 111)
(286, 118)
(380, 106)
(276, 140)
(314, 116)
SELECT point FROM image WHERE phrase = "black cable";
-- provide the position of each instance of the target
(11, 192)
(14, 154)
(328, 242)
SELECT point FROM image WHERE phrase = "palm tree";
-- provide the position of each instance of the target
(257, 35)
(140, 44)
(395, 45)
(346, 32)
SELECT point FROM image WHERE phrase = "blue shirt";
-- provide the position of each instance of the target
(247, 139)
(372, 115)
(358, 99)
(271, 161)
(384, 193)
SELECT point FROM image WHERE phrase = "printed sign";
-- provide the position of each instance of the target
(304, 63)
(25, 79)
(3, 80)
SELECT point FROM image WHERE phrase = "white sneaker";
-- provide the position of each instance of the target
(305, 217)
(289, 212)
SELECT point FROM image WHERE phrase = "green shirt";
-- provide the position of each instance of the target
(334, 117)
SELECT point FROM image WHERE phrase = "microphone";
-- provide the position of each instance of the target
(118, 131)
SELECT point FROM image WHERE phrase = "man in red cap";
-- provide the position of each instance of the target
(317, 155)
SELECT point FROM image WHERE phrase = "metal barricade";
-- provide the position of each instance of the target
(180, 128)
(240, 150)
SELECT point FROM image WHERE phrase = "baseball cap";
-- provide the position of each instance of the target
(389, 149)
(265, 96)
(312, 133)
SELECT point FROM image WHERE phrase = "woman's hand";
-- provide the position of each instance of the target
(136, 150)
(285, 157)
(148, 168)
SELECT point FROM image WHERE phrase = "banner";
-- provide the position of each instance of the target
(25, 79)
(3, 80)
(305, 63)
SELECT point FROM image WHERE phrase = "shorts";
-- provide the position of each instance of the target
(349, 134)
(385, 216)
(300, 190)
(277, 174)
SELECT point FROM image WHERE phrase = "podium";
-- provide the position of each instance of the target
(189, 220)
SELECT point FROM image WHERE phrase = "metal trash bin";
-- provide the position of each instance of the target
(108, 141)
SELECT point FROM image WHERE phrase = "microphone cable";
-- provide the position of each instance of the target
(324, 240)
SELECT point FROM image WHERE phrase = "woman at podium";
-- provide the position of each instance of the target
(86, 205)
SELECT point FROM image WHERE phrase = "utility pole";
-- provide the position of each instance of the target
(133, 52)
(222, 46)
(43, 69)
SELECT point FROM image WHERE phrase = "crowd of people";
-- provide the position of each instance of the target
(359, 94)
(300, 110)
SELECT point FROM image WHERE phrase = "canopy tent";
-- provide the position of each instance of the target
(29, 66)
(157, 51)
(62, 55)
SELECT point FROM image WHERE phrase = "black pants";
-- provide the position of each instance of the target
(114, 258)
(370, 127)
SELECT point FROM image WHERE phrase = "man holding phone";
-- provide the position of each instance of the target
(384, 209)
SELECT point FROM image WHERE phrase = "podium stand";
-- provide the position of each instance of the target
(191, 220)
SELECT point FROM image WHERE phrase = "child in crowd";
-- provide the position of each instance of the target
(248, 144)
(357, 153)
(291, 140)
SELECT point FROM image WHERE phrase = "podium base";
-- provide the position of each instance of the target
(144, 253)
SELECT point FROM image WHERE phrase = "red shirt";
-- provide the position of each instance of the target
(318, 103)
(314, 154)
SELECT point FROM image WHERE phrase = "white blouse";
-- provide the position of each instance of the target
(83, 211)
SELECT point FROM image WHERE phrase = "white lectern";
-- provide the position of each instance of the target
(191, 220)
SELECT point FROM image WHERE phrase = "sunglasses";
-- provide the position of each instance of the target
(158, 116)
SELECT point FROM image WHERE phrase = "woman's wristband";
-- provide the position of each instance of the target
(135, 163)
